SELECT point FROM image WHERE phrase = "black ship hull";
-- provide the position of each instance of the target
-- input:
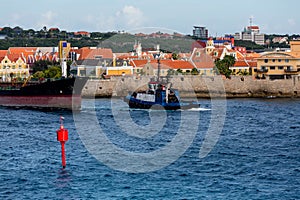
(64, 93)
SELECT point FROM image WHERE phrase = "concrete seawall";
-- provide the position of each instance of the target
(199, 86)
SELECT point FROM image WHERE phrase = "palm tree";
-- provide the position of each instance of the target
(194, 71)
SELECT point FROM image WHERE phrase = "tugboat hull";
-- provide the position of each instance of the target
(139, 104)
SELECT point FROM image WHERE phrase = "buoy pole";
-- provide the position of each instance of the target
(62, 137)
(63, 155)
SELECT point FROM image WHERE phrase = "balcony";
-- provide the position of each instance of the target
(262, 70)
(291, 70)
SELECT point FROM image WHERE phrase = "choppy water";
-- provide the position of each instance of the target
(257, 155)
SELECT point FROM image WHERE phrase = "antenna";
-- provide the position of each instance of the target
(251, 20)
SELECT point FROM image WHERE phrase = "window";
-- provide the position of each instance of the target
(98, 57)
(272, 68)
(287, 60)
(279, 60)
(273, 60)
(280, 67)
(197, 54)
(266, 60)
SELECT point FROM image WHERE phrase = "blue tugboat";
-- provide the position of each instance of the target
(159, 96)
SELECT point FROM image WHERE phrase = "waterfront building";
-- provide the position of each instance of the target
(12, 68)
(167, 67)
(203, 62)
(138, 65)
(279, 64)
(90, 61)
(32, 54)
(17, 62)
(203, 58)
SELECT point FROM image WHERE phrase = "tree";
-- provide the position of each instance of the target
(175, 56)
(53, 72)
(38, 75)
(42, 65)
(7, 31)
(222, 66)
(179, 71)
(194, 71)
(228, 61)
(171, 72)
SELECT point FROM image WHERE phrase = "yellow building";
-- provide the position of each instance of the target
(12, 67)
(279, 65)
(119, 71)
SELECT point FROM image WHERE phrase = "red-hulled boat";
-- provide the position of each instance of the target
(64, 93)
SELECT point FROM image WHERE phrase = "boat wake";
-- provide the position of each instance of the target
(199, 109)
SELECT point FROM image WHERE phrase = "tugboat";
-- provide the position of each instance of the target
(159, 95)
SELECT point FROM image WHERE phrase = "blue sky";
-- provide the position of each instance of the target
(219, 17)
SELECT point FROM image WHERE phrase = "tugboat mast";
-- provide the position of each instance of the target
(158, 69)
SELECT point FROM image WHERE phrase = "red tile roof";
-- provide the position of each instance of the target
(89, 53)
(253, 27)
(20, 50)
(241, 63)
(177, 64)
(138, 63)
(53, 29)
(82, 33)
(14, 57)
(3, 53)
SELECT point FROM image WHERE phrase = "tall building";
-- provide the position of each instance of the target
(200, 32)
(251, 33)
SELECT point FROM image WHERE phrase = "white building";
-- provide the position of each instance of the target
(251, 33)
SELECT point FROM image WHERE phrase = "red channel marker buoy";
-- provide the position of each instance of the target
(62, 137)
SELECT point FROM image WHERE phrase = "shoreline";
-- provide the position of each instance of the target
(198, 87)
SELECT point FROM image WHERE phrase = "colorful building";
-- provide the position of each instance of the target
(12, 67)
(279, 65)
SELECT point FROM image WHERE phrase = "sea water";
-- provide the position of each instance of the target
(255, 156)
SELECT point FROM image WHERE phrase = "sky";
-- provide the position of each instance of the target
(219, 17)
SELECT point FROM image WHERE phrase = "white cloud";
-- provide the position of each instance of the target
(49, 16)
(291, 22)
(130, 16)
(47, 19)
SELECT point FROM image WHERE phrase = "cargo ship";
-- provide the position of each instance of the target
(63, 93)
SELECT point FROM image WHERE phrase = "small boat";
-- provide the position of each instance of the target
(159, 96)
(63, 93)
